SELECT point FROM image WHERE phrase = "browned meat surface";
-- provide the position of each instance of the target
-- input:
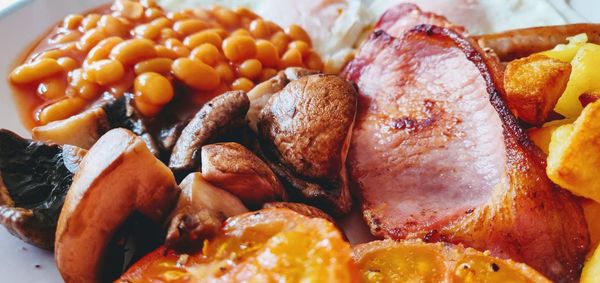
(514, 44)
(237, 170)
(401, 18)
(304, 131)
(436, 154)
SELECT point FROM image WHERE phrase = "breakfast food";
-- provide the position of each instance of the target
(119, 176)
(573, 157)
(215, 145)
(377, 261)
(448, 135)
(533, 86)
(272, 244)
(138, 47)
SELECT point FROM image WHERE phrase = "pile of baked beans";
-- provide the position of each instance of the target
(135, 46)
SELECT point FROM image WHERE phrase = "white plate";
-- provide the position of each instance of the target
(23, 22)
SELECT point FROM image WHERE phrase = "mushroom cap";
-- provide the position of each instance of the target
(237, 170)
(308, 123)
(118, 176)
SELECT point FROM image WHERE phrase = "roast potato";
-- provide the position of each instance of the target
(533, 86)
(574, 154)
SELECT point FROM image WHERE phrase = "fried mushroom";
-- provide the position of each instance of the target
(237, 170)
(304, 131)
(81, 130)
(117, 178)
(200, 211)
(218, 116)
(34, 179)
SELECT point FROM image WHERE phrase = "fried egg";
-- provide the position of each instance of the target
(338, 26)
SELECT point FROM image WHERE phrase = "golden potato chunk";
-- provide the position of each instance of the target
(533, 86)
(574, 154)
(585, 77)
(416, 261)
(591, 269)
(542, 136)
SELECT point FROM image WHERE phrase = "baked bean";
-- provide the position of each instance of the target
(164, 52)
(207, 53)
(291, 58)
(52, 88)
(297, 33)
(239, 48)
(67, 63)
(90, 38)
(123, 85)
(51, 54)
(102, 49)
(61, 110)
(195, 74)
(189, 26)
(105, 72)
(148, 3)
(225, 72)
(177, 47)
(89, 22)
(167, 33)
(82, 87)
(177, 16)
(259, 29)
(68, 47)
(267, 73)
(226, 17)
(301, 46)
(129, 9)
(202, 37)
(250, 69)
(35, 71)
(314, 62)
(68, 36)
(273, 27)
(221, 32)
(243, 84)
(157, 65)
(132, 51)
(72, 21)
(153, 13)
(240, 32)
(245, 12)
(266, 53)
(146, 109)
(281, 41)
(153, 88)
(113, 26)
(152, 29)
(146, 31)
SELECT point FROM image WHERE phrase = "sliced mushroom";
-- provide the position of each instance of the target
(200, 211)
(218, 116)
(304, 131)
(294, 73)
(34, 179)
(122, 114)
(237, 170)
(81, 130)
(260, 94)
(117, 178)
